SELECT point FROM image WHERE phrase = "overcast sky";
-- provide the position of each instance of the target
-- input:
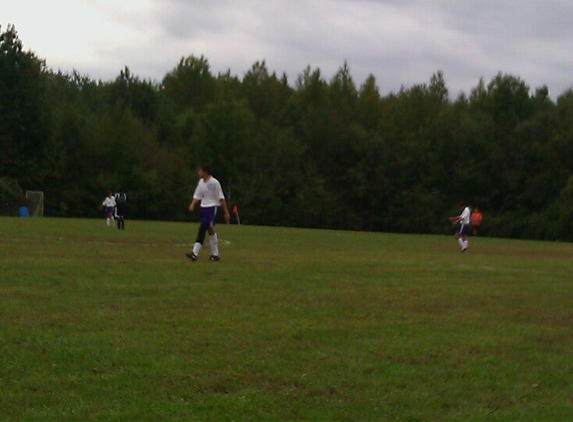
(400, 42)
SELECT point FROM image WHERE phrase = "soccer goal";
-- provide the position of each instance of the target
(35, 202)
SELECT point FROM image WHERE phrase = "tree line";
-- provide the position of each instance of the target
(319, 152)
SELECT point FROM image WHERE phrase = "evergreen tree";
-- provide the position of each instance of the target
(25, 120)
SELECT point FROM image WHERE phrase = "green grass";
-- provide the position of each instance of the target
(100, 324)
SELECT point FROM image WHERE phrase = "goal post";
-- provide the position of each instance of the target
(35, 201)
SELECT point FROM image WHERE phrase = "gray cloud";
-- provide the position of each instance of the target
(400, 42)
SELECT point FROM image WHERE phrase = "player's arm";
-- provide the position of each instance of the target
(226, 214)
(223, 203)
(192, 204)
(196, 198)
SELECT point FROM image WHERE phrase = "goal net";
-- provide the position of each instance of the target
(35, 202)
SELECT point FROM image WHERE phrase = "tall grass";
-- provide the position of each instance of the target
(291, 324)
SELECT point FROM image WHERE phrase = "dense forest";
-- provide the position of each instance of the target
(315, 152)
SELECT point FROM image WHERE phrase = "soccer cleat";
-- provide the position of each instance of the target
(464, 249)
(214, 258)
(191, 256)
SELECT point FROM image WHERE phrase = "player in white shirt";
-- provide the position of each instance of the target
(463, 226)
(210, 194)
(109, 204)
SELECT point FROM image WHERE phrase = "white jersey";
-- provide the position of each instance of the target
(209, 193)
(465, 216)
(108, 202)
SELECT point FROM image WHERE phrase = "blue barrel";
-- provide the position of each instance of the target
(23, 211)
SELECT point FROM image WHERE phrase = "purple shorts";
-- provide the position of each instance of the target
(208, 215)
(463, 229)
(108, 211)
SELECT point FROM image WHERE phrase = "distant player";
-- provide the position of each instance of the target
(462, 223)
(210, 194)
(120, 201)
(476, 219)
(109, 205)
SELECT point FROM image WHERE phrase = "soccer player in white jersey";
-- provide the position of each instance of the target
(462, 223)
(210, 194)
(109, 204)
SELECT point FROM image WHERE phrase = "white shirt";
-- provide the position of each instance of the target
(465, 215)
(209, 193)
(108, 202)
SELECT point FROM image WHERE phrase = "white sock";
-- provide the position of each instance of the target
(108, 222)
(466, 244)
(197, 248)
(461, 243)
(214, 241)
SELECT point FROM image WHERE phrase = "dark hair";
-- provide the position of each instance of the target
(206, 168)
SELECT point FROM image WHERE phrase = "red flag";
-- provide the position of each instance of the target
(234, 209)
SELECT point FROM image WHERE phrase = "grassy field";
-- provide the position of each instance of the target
(101, 324)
